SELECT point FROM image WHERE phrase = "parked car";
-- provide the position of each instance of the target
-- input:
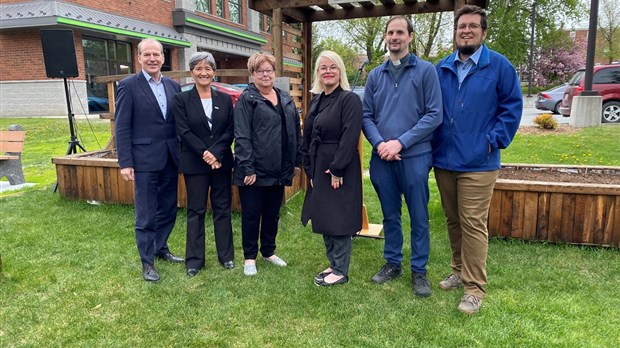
(359, 90)
(98, 104)
(551, 99)
(605, 80)
(233, 91)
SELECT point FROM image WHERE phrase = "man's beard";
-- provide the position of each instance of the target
(467, 50)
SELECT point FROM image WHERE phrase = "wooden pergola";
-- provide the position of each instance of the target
(306, 12)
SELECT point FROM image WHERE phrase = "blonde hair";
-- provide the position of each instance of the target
(317, 85)
(258, 58)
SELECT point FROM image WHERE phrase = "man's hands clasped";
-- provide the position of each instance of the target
(389, 150)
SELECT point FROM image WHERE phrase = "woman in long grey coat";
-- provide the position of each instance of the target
(331, 160)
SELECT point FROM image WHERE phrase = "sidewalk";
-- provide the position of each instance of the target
(5, 186)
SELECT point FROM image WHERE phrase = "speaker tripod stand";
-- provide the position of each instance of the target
(74, 143)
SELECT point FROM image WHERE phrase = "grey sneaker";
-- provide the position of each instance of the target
(421, 286)
(249, 270)
(470, 304)
(451, 282)
(275, 260)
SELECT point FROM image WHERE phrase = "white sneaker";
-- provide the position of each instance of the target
(275, 260)
(249, 269)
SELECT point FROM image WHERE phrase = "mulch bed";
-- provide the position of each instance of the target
(559, 130)
(554, 175)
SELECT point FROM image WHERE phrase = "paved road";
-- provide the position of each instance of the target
(529, 112)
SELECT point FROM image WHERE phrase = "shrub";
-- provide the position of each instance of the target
(546, 121)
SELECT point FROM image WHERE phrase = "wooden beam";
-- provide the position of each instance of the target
(306, 79)
(382, 11)
(276, 37)
(273, 4)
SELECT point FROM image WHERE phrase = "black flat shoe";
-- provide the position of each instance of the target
(319, 276)
(149, 273)
(322, 282)
(170, 257)
(228, 265)
(192, 272)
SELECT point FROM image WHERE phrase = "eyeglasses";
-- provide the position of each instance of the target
(472, 26)
(324, 68)
(264, 72)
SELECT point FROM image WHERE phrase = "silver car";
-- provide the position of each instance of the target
(551, 99)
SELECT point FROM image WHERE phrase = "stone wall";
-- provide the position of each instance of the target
(41, 98)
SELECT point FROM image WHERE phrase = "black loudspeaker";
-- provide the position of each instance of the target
(59, 53)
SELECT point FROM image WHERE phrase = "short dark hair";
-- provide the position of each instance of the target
(409, 24)
(471, 9)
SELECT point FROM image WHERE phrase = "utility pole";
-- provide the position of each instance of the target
(533, 25)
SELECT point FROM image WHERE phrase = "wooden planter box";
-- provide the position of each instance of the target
(96, 176)
(576, 213)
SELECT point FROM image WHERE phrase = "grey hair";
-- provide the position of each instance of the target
(199, 57)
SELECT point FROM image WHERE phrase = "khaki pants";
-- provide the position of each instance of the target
(465, 198)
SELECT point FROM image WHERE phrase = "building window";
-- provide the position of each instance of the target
(234, 8)
(104, 57)
(203, 5)
(219, 8)
(167, 66)
(264, 23)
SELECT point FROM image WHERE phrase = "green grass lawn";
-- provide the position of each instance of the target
(71, 276)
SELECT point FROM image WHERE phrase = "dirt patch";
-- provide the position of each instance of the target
(561, 129)
(609, 177)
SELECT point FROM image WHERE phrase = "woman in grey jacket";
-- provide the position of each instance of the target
(267, 155)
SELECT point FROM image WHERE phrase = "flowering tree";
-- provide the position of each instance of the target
(557, 62)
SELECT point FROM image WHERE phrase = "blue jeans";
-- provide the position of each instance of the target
(409, 178)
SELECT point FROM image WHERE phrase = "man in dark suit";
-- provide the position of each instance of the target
(148, 153)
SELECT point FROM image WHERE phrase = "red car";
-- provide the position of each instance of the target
(605, 80)
(233, 91)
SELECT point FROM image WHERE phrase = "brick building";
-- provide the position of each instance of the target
(581, 35)
(105, 35)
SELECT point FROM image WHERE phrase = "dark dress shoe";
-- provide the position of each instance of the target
(319, 276)
(192, 271)
(149, 273)
(322, 282)
(170, 257)
(228, 265)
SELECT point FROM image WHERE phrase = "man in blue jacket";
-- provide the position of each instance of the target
(482, 106)
(402, 108)
(148, 153)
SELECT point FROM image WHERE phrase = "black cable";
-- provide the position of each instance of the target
(84, 112)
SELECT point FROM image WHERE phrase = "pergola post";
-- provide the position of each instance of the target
(276, 37)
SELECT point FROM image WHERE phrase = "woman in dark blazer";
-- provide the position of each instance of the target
(331, 160)
(267, 156)
(204, 120)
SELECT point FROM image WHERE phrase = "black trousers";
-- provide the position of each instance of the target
(198, 187)
(260, 214)
(338, 250)
(156, 210)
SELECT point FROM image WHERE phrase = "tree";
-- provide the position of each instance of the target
(509, 25)
(428, 30)
(609, 29)
(367, 35)
(556, 62)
